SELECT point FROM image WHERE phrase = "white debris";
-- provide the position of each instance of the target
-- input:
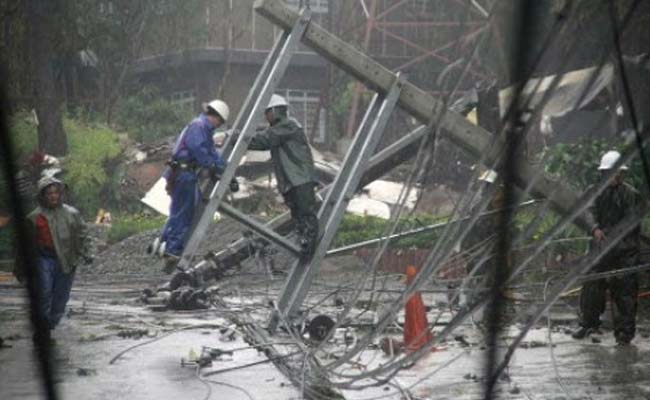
(140, 156)
(389, 192)
(157, 198)
(363, 205)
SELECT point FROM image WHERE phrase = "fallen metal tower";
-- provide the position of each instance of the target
(361, 165)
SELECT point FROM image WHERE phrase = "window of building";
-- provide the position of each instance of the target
(185, 100)
(306, 108)
(106, 8)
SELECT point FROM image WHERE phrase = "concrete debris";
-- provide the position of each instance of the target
(86, 372)
(462, 340)
(391, 346)
(133, 333)
(4, 345)
(365, 206)
(534, 344)
(319, 327)
(183, 298)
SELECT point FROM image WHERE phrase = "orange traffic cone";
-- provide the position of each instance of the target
(416, 327)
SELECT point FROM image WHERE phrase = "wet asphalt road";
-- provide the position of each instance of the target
(88, 339)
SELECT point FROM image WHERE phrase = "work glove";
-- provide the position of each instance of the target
(215, 174)
(233, 133)
(234, 185)
(211, 173)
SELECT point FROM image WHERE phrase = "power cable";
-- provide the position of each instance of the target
(626, 88)
(128, 349)
(416, 279)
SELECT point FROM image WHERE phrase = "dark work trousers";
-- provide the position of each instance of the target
(301, 200)
(623, 291)
(53, 289)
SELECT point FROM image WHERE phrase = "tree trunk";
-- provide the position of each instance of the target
(41, 20)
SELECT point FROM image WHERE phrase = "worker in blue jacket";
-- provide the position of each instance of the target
(194, 155)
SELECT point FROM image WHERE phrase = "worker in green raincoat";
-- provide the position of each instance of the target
(293, 166)
(61, 242)
(616, 202)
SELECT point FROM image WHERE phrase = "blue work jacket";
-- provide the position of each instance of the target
(195, 145)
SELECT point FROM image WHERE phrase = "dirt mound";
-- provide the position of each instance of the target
(128, 256)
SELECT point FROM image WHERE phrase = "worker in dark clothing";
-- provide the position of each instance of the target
(62, 244)
(294, 168)
(481, 240)
(616, 202)
(194, 154)
(484, 230)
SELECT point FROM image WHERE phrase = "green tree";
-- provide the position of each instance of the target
(42, 19)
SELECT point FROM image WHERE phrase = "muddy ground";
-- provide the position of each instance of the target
(105, 318)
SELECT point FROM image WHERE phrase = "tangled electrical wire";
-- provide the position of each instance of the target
(307, 371)
(437, 259)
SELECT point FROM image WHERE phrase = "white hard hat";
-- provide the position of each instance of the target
(46, 181)
(277, 101)
(608, 160)
(488, 176)
(220, 107)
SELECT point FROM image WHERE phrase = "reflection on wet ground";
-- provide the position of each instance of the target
(104, 320)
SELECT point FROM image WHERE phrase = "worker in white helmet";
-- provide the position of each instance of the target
(293, 165)
(194, 153)
(615, 203)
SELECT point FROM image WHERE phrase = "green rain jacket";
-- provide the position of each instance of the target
(69, 234)
(290, 153)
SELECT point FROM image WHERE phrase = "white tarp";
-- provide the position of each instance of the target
(389, 192)
(376, 200)
(568, 92)
(157, 197)
(363, 205)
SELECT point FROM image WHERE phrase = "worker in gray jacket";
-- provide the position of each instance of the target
(294, 168)
(62, 244)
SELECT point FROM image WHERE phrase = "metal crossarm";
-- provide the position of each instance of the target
(260, 228)
(266, 82)
(331, 213)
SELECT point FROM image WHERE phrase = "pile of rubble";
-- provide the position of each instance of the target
(128, 257)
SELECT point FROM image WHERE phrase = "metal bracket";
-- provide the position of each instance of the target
(259, 228)
(266, 82)
(333, 208)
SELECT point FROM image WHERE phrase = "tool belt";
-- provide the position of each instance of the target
(176, 165)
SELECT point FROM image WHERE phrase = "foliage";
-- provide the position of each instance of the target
(147, 116)
(91, 147)
(577, 163)
(128, 225)
(342, 102)
(175, 25)
(24, 137)
(356, 228)
(569, 240)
